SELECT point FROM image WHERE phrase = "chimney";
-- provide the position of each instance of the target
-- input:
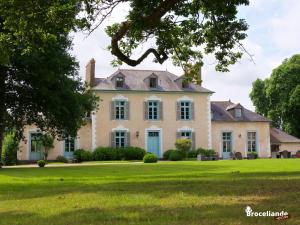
(200, 75)
(90, 73)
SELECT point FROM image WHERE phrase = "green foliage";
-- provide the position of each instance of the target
(41, 163)
(207, 152)
(107, 153)
(150, 158)
(167, 153)
(9, 149)
(278, 97)
(192, 154)
(133, 153)
(61, 158)
(183, 144)
(176, 155)
(87, 156)
(78, 154)
(181, 30)
(48, 143)
(38, 73)
(252, 155)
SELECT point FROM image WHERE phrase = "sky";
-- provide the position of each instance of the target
(273, 35)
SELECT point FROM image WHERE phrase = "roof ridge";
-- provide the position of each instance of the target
(145, 70)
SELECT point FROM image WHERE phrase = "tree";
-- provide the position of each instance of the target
(279, 96)
(183, 30)
(9, 149)
(39, 82)
(48, 144)
(259, 97)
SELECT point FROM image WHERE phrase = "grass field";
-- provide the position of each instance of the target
(166, 193)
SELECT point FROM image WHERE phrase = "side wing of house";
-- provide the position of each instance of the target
(236, 129)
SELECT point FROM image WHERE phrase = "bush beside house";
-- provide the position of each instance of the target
(150, 158)
(9, 150)
(108, 153)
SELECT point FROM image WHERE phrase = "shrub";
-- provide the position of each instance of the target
(252, 155)
(106, 153)
(61, 158)
(41, 163)
(77, 154)
(206, 152)
(183, 144)
(176, 155)
(167, 153)
(150, 158)
(82, 155)
(86, 156)
(9, 149)
(133, 153)
(192, 154)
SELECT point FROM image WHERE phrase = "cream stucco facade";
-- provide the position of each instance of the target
(239, 132)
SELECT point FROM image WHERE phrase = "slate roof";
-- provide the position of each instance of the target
(222, 111)
(279, 136)
(135, 80)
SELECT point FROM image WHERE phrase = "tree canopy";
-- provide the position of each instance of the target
(278, 97)
(39, 82)
(182, 30)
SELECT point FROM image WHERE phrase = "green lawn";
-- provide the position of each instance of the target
(165, 193)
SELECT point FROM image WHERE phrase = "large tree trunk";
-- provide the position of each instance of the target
(2, 106)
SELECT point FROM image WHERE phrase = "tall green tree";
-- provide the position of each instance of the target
(279, 96)
(182, 30)
(39, 82)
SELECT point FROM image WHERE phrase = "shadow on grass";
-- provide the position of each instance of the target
(207, 214)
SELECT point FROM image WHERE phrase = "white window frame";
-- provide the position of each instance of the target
(119, 106)
(186, 109)
(251, 140)
(151, 108)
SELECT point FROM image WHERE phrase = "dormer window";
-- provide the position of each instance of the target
(153, 82)
(119, 82)
(238, 113)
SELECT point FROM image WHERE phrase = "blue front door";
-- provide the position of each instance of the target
(153, 142)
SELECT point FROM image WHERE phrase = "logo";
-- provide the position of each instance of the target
(282, 215)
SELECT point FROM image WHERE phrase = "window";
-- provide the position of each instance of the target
(119, 82)
(69, 144)
(36, 142)
(120, 110)
(120, 139)
(186, 134)
(251, 141)
(238, 113)
(185, 110)
(153, 110)
(153, 82)
(227, 142)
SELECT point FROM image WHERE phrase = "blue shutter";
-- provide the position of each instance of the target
(177, 110)
(127, 139)
(112, 110)
(146, 110)
(160, 108)
(192, 111)
(113, 139)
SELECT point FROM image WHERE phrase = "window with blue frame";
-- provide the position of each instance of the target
(120, 139)
(69, 144)
(185, 110)
(252, 141)
(186, 134)
(120, 110)
(153, 110)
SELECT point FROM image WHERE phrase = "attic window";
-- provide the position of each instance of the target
(238, 113)
(153, 82)
(119, 82)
